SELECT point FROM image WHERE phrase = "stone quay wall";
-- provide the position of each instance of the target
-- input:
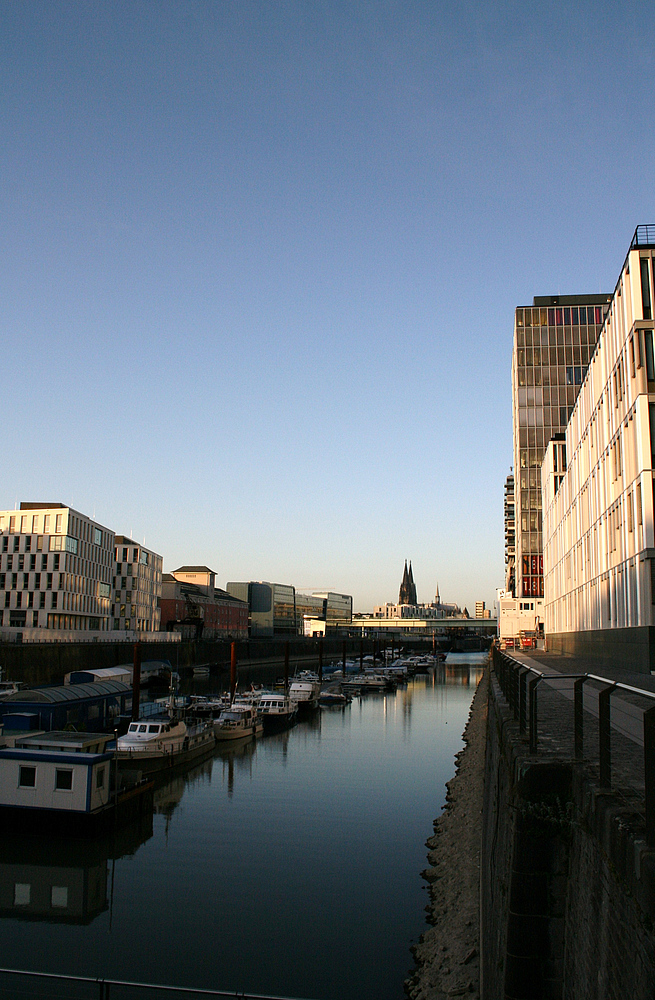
(567, 884)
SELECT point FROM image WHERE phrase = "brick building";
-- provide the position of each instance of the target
(192, 604)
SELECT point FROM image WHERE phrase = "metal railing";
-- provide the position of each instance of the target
(520, 682)
(644, 237)
(19, 982)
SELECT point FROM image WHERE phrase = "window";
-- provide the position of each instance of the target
(5, 544)
(28, 543)
(59, 897)
(42, 599)
(63, 779)
(16, 544)
(55, 561)
(100, 777)
(26, 776)
(32, 562)
(650, 361)
(35, 524)
(58, 522)
(46, 524)
(97, 536)
(48, 585)
(22, 893)
(124, 555)
(645, 288)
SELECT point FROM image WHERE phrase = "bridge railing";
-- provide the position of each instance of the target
(520, 684)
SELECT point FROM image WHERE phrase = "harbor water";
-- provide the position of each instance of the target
(288, 865)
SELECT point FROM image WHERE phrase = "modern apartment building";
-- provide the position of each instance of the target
(56, 568)
(137, 586)
(597, 487)
(554, 339)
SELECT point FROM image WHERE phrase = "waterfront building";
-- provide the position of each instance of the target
(276, 609)
(554, 339)
(510, 537)
(193, 605)
(272, 607)
(407, 593)
(137, 586)
(336, 607)
(55, 569)
(597, 487)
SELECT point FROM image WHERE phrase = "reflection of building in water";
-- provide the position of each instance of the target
(61, 881)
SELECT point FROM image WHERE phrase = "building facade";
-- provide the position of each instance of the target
(554, 340)
(193, 605)
(137, 585)
(56, 568)
(510, 537)
(597, 487)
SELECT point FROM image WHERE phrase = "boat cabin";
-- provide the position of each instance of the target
(58, 771)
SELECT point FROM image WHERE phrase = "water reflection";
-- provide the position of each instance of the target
(61, 880)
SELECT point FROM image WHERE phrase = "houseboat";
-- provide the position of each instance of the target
(62, 781)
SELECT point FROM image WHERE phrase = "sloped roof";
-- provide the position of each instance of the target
(68, 692)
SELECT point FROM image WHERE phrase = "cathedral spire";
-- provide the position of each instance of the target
(407, 588)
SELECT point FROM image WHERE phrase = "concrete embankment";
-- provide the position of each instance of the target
(447, 957)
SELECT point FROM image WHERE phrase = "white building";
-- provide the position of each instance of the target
(55, 569)
(137, 586)
(597, 487)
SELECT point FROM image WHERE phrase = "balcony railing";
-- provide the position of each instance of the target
(644, 237)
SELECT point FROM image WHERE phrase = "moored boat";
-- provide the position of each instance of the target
(237, 722)
(304, 690)
(151, 745)
(277, 709)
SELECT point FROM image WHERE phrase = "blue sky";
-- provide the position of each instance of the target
(261, 262)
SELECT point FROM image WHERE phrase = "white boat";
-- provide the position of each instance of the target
(156, 744)
(236, 722)
(304, 690)
(8, 687)
(277, 710)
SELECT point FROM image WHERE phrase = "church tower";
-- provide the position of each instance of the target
(407, 587)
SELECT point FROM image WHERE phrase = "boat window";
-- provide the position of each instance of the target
(27, 777)
(153, 729)
(133, 727)
(63, 780)
(143, 729)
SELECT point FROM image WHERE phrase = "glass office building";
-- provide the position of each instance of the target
(272, 607)
(554, 340)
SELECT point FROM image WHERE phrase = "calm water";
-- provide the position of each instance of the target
(289, 866)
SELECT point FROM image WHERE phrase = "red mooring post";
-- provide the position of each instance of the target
(233, 671)
(286, 666)
(136, 682)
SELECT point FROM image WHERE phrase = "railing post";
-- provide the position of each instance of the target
(515, 690)
(649, 774)
(604, 730)
(578, 717)
(523, 692)
(533, 713)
